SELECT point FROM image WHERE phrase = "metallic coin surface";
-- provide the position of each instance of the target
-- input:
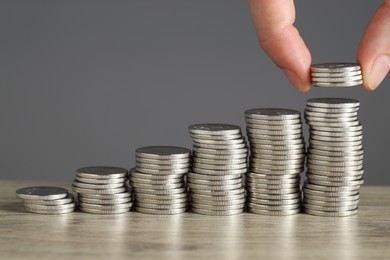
(42, 193)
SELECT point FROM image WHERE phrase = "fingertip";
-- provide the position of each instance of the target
(299, 83)
(376, 73)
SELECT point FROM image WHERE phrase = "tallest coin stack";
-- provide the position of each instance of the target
(335, 157)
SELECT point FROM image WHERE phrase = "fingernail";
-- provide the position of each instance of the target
(379, 70)
(294, 79)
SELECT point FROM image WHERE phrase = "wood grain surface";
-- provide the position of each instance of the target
(191, 236)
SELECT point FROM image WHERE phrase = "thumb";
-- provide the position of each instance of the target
(374, 49)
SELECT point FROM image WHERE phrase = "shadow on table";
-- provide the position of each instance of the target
(13, 207)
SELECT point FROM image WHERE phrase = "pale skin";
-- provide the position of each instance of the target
(274, 24)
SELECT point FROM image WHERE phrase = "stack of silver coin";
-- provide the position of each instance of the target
(158, 179)
(277, 160)
(219, 161)
(335, 157)
(103, 190)
(46, 200)
(336, 75)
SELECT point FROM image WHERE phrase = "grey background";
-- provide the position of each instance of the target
(87, 82)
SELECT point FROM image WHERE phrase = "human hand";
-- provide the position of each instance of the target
(274, 24)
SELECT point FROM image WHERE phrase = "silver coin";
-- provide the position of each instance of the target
(329, 208)
(85, 205)
(273, 113)
(218, 193)
(163, 167)
(252, 127)
(219, 202)
(274, 202)
(332, 110)
(258, 170)
(337, 84)
(276, 143)
(218, 213)
(274, 196)
(218, 207)
(335, 67)
(337, 174)
(226, 142)
(139, 175)
(113, 196)
(219, 167)
(66, 200)
(97, 186)
(277, 147)
(95, 191)
(101, 181)
(162, 206)
(219, 162)
(220, 146)
(292, 181)
(298, 156)
(317, 124)
(257, 153)
(275, 137)
(312, 186)
(219, 172)
(335, 74)
(220, 198)
(332, 129)
(273, 192)
(274, 212)
(162, 172)
(337, 139)
(165, 197)
(215, 187)
(182, 161)
(335, 153)
(42, 193)
(335, 164)
(277, 162)
(101, 172)
(334, 199)
(338, 183)
(216, 137)
(335, 144)
(332, 204)
(221, 151)
(220, 156)
(161, 211)
(344, 79)
(163, 152)
(255, 121)
(209, 177)
(50, 212)
(313, 168)
(285, 132)
(330, 115)
(330, 193)
(263, 166)
(158, 186)
(273, 207)
(346, 133)
(71, 205)
(163, 202)
(266, 186)
(214, 183)
(346, 148)
(105, 201)
(333, 102)
(214, 129)
(156, 182)
(159, 192)
(105, 212)
(334, 178)
(331, 214)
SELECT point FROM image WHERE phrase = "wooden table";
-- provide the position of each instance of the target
(189, 236)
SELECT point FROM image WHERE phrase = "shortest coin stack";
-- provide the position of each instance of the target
(336, 75)
(158, 179)
(103, 190)
(46, 200)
